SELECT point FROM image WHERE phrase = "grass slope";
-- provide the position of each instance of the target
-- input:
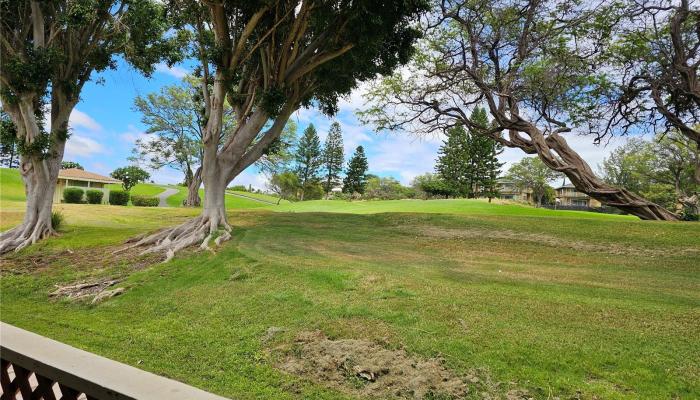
(261, 196)
(595, 307)
(141, 189)
(453, 206)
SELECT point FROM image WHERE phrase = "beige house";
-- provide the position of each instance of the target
(85, 180)
(508, 190)
(567, 195)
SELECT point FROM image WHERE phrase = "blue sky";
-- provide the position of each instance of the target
(105, 126)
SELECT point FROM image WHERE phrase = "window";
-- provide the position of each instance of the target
(77, 183)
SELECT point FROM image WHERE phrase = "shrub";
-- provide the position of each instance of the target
(94, 196)
(56, 220)
(238, 188)
(144, 201)
(118, 198)
(73, 195)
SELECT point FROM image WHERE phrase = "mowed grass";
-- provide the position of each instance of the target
(449, 206)
(141, 189)
(261, 196)
(602, 307)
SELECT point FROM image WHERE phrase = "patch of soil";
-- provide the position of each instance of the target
(84, 259)
(361, 367)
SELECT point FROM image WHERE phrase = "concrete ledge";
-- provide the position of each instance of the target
(89, 373)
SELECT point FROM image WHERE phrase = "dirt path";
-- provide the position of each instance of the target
(164, 196)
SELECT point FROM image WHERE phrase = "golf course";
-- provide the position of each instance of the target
(499, 299)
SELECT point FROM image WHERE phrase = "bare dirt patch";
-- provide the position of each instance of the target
(87, 259)
(361, 367)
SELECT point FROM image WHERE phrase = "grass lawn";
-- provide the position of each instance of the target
(575, 305)
(261, 196)
(452, 206)
(141, 189)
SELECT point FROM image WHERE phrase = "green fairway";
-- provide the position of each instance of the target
(261, 196)
(561, 304)
(447, 206)
(141, 189)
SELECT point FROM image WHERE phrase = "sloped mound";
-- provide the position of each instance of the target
(364, 368)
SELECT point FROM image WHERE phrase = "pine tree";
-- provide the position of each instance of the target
(468, 161)
(308, 159)
(356, 175)
(333, 158)
(454, 163)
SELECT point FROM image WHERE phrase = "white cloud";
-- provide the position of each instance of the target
(79, 119)
(81, 146)
(99, 167)
(166, 176)
(250, 177)
(174, 71)
(131, 134)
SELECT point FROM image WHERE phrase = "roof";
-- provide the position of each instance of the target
(566, 186)
(80, 175)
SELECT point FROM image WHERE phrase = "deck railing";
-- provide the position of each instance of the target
(36, 367)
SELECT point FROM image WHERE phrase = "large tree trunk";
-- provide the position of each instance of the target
(39, 178)
(39, 172)
(210, 224)
(193, 185)
(555, 152)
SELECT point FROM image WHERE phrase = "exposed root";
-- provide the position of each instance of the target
(23, 235)
(200, 230)
(83, 289)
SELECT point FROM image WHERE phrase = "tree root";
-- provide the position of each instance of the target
(23, 235)
(200, 230)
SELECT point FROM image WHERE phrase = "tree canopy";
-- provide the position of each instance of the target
(534, 65)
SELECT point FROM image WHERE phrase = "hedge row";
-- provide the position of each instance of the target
(116, 197)
(73, 195)
(144, 201)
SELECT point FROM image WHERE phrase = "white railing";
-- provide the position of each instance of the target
(36, 367)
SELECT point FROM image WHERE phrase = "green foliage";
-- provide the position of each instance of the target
(431, 185)
(531, 173)
(278, 157)
(313, 191)
(662, 170)
(286, 185)
(356, 175)
(9, 153)
(91, 35)
(130, 176)
(70, 164)
(468, 160)
(118, 197)
(174, 120)
(387, 189)
(57, 219)
(308, 159)
(333, 158)
(240, 188)
(73, 195)
(94, 196)
(144, 201)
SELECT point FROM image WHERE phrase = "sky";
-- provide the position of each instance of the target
(105, 127)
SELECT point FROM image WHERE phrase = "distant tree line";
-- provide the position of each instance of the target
(306, 170)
